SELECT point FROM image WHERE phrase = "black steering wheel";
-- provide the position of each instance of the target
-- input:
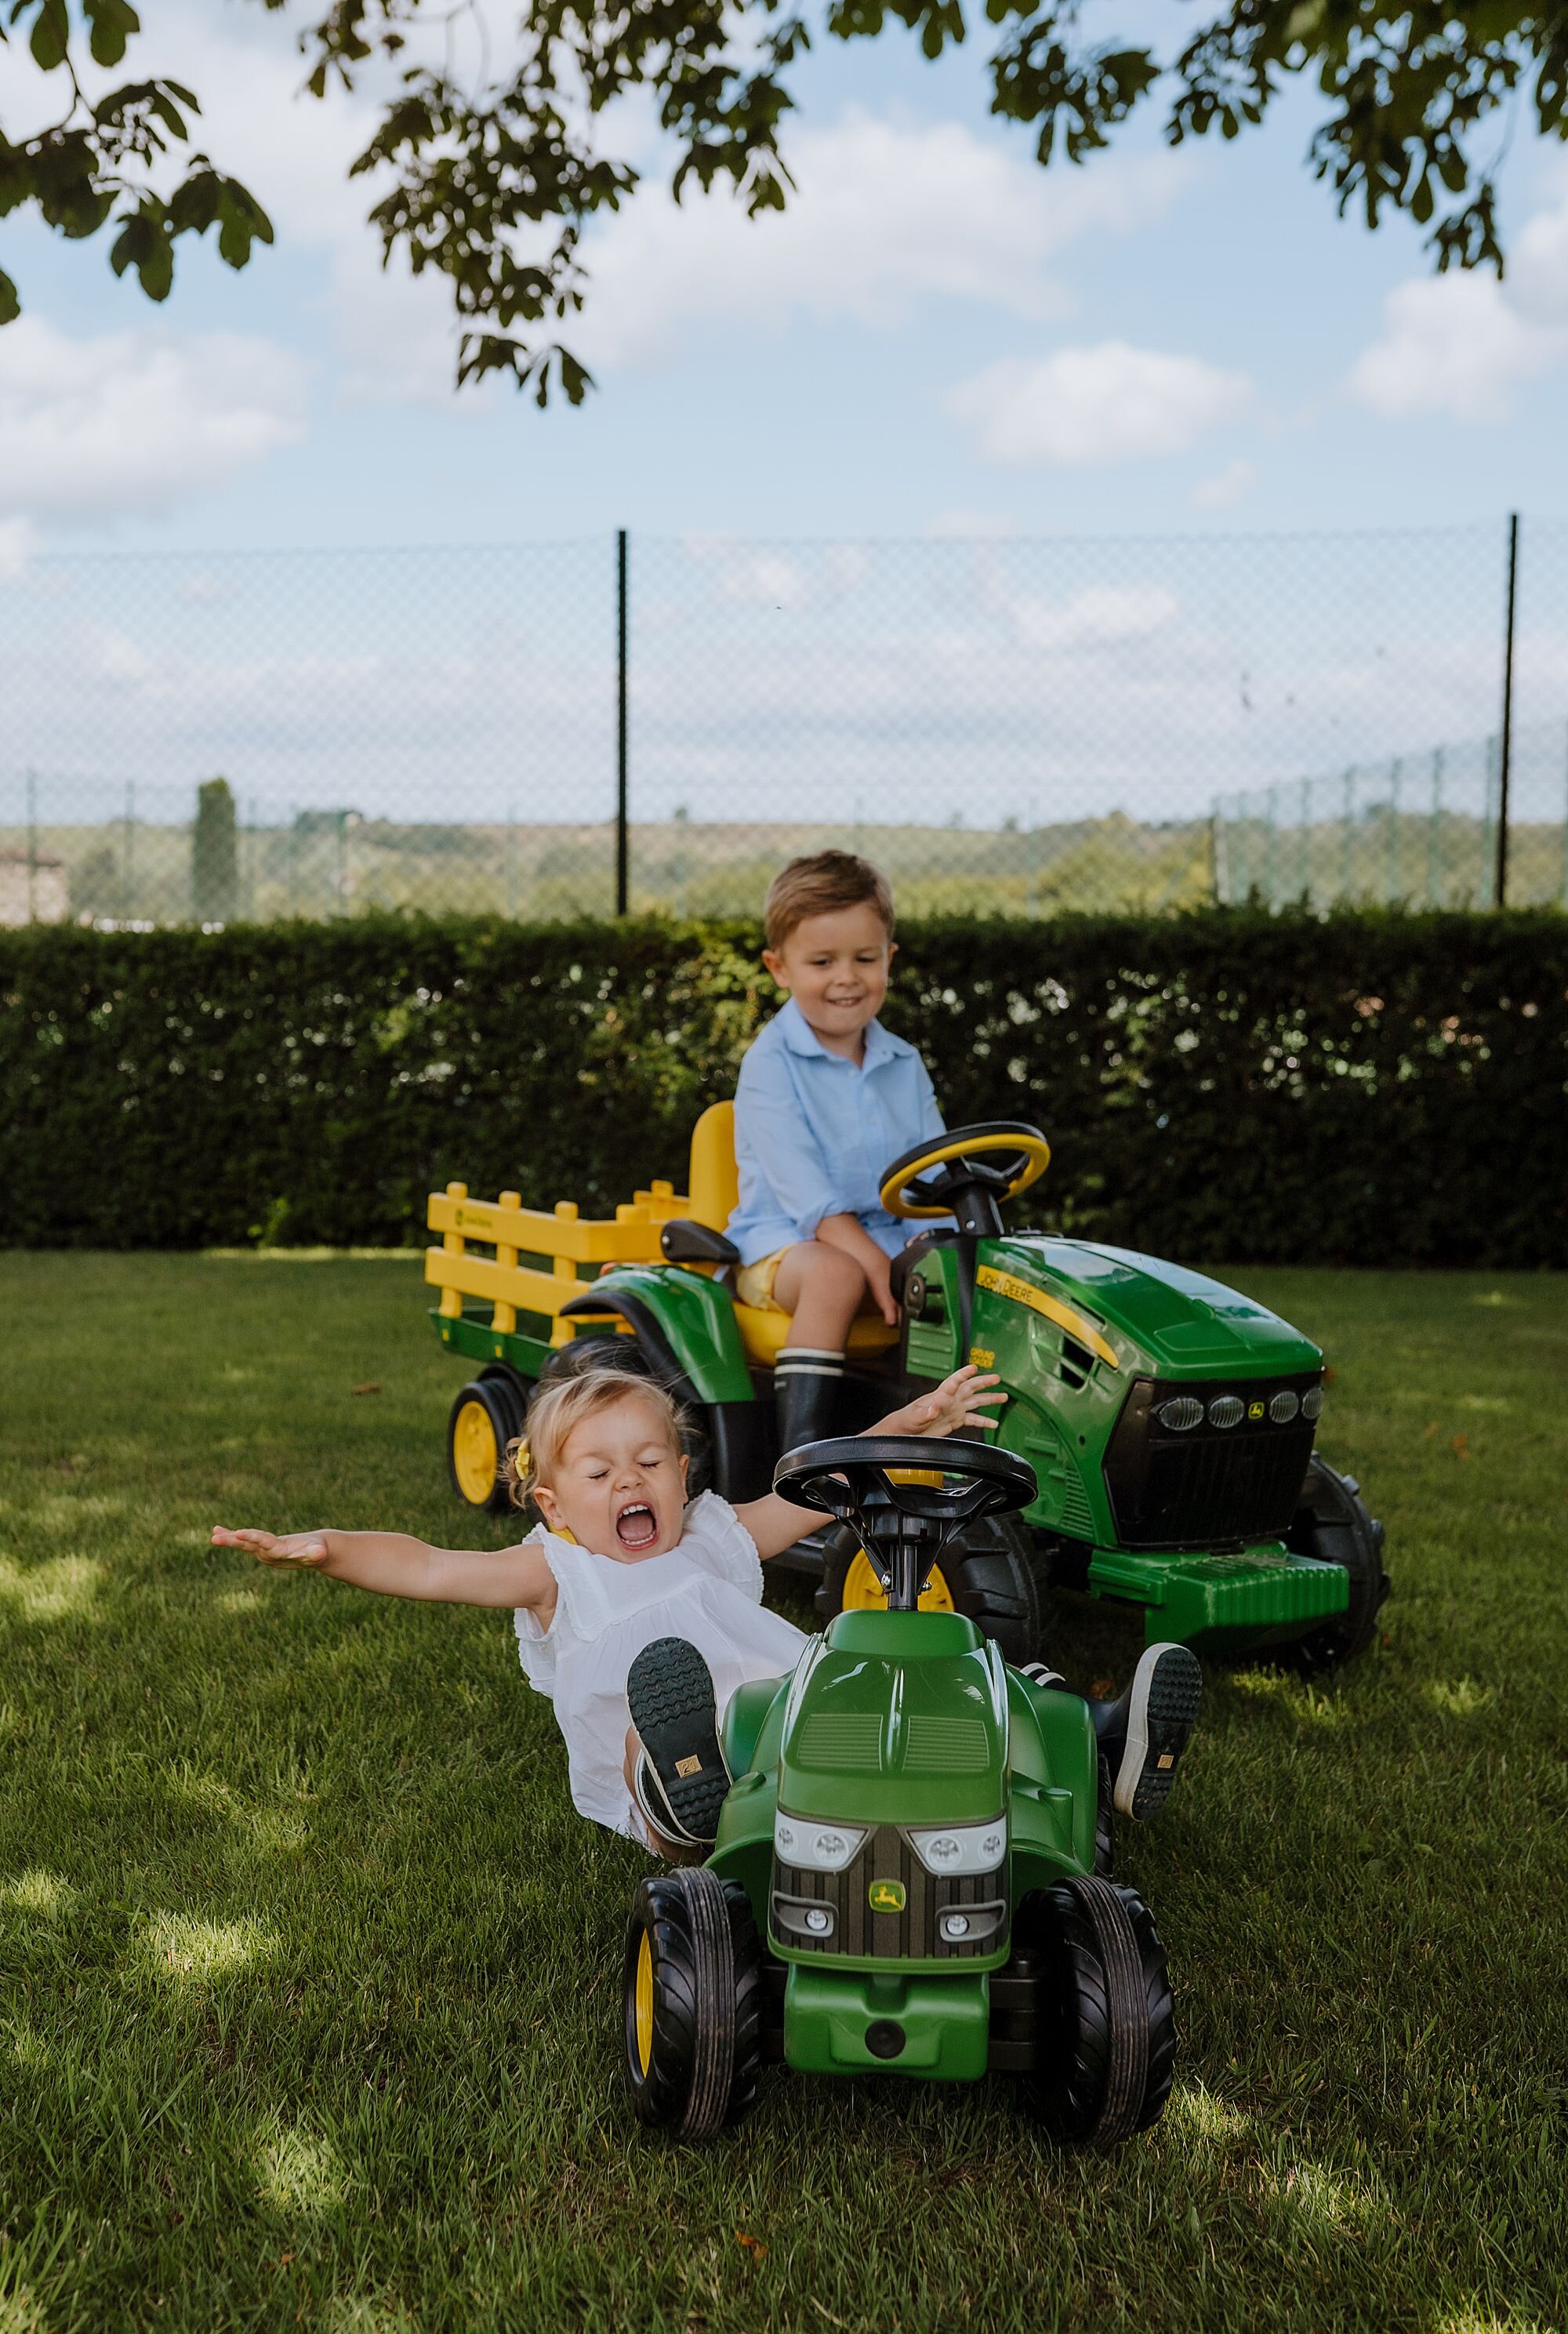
(902, 1524)
(967, 1173)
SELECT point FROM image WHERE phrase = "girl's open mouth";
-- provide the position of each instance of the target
(637, 1527)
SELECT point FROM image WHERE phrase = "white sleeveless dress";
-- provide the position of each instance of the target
(706, 1589)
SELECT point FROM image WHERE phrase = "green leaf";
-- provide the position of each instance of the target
(9, 302)
(50, 39)
(143, 244)
(112, 23)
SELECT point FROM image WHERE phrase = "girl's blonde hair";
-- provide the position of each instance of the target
(558, 1408)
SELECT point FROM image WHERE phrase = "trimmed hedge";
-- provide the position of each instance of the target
(1227, 1084)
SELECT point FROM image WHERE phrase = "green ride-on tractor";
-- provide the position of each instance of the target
(905, 1877)
(1168, 1421)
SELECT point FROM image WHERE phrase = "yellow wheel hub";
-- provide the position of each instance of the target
(475, 1457)
(645, 2004)
(865, 1593)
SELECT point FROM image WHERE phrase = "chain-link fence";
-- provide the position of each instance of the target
(1012, 725)
(1423, 829)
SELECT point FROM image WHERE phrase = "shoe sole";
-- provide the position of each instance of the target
(1166, 1693)
(669, 1693)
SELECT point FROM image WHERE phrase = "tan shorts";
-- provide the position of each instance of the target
(753, 1282)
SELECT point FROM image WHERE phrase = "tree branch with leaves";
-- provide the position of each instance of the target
(491, 179)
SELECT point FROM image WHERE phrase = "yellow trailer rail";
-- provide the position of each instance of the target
(562, 1237)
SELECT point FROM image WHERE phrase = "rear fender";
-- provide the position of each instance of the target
(686, 1326)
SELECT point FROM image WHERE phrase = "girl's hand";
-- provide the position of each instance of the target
(963, 1400)
(297, 1549)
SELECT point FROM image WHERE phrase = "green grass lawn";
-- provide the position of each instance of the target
(309, 1974)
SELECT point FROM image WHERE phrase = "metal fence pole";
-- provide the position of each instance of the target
(129, 846)
(1500, 879)
(1566, 828)
(1434, 844)
(622, 838)
(1394, 829)
(512, 861)
(32, 847)
(1348, 835)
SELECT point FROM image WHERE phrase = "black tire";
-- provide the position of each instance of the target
(609, 1351)
(991, 1576)
(485, 1418)
(1106, 2023)
(1105, 1819)
(1331, 1522)
(693, 2043)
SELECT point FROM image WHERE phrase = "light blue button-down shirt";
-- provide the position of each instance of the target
(814, 1136)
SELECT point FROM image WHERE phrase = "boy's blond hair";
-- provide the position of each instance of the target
(816, 886)
(558, 1408)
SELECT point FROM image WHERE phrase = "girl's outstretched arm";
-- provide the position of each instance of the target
(391, 1564)
(964, 1400)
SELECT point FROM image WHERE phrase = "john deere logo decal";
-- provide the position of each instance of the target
(1254, 1410)
(887, 1895)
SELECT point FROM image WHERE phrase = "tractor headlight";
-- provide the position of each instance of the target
(1181, 1413)
(816, 1846)
(1311, 1403)
(961, 1848)
(1227, 1410)
(1283, 1408)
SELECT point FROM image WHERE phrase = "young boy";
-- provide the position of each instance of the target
(826, 1099)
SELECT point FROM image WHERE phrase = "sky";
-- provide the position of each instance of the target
(938, 343)
(936, 337)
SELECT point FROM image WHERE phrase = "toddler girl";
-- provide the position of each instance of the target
(631, 1602)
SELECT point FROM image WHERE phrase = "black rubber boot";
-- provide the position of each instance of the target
(1144, 1734)
(669, 1693)
(806, 1382)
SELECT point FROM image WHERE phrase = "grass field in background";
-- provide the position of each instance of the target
(309, 1974)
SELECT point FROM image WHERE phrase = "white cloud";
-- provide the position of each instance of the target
(1225, 487)
(18, 542)
(1457, 345)
(1453, 344)
(885, 215)
(136, 420)
(1090, 405)
(1103, 616)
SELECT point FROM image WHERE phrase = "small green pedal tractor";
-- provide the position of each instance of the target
(1168, 1421)
(905, 1878)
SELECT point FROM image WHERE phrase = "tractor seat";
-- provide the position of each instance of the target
(715, 1189)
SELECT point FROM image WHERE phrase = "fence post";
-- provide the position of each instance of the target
(1348, 833)
(1394, 830)
(32, 847)
(1434, 843)
(129, 880)
(511, 876)
(623, 839)
(1506, 756)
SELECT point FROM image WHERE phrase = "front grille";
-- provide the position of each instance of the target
(909, 1936)
(1209, 1484)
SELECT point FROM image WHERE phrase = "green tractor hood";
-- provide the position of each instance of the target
(897, 1718)
(1156, 1317)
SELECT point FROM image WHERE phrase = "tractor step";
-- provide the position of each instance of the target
(1214, 1597)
